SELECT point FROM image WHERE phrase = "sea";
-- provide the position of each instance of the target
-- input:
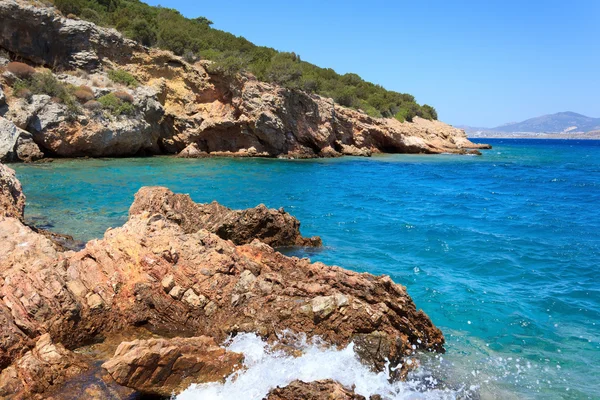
(501, 250)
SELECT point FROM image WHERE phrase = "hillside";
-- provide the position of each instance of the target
(195, 39)
(561, 122)
(69, 88)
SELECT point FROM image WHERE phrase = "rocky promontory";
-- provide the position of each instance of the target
(166, 273)
(96, 93)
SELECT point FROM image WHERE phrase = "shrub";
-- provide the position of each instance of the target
(122, 76)
(23, 93)
(93, 105)
(124, 96)
(20, 70)
(83, 95)
(116, 106)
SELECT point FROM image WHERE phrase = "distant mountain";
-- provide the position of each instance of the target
(562, 122)
(560, 125)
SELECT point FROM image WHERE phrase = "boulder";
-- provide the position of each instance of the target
(166, 366)
(317, 390)
(17, 144)
(273, 227)
(12, 199)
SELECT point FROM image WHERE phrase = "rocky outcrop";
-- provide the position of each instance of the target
(182, 109)
(40, 34)
(12, 199)
(17, 144)
(273, 227)
(166, 366)
(317, 390)
(157, 272)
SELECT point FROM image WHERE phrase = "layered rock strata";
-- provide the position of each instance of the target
(175, 278)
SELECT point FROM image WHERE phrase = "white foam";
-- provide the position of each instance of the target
(266, 369)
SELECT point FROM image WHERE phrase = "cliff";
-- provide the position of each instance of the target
(172, 106)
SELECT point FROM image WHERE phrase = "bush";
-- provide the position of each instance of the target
(23, 93)
(124, 96)
(83, 96)
(93, 105)
(170, 30)
(116, 106)
(20, 70)
(46, 83)
(122, 76)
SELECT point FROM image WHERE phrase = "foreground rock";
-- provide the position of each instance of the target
(46, 365)
(181, 108)
(156, 273)
(166, 366)
(273, 227)
(318, 390)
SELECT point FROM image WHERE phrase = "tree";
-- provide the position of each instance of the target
(141, 31)
(284, 70)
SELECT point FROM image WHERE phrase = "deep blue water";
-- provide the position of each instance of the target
(502, 251)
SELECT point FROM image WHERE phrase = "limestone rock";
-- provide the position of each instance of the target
(66, 43)
(17, 144)
(12, 199)
(166, 366)
(273, 227)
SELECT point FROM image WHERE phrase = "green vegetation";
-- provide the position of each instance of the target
(195, 38)
(122, 76)
(46, 83)
(115, 105)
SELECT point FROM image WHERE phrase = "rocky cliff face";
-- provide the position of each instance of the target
(180, 106)
(166, 273)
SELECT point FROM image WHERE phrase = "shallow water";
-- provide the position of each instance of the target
(501, 251)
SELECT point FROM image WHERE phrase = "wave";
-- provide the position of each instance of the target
(266, 368)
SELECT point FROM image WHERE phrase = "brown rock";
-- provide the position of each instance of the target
(122, 281)
(317, 390)
(12, 199)
(166, 366)
(273, 227)
(41, 369)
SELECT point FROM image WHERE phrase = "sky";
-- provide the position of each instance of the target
(479, 63)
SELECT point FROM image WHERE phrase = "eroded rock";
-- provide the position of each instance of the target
(166, 366)
(273, 227)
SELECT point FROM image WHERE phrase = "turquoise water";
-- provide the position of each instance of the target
(501, 251)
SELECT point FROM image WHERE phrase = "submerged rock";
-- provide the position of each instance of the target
(166, 366)
(273, 227)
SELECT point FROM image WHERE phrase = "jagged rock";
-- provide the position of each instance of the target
(317, 390)
(45, 366)
(61, 42)
(166, 366)
(12, 199)
(129, 277)
(2, 97)
(273, 227)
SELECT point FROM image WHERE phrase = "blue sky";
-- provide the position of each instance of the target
(480, 63)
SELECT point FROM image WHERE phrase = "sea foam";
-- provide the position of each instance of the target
(267, 368)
